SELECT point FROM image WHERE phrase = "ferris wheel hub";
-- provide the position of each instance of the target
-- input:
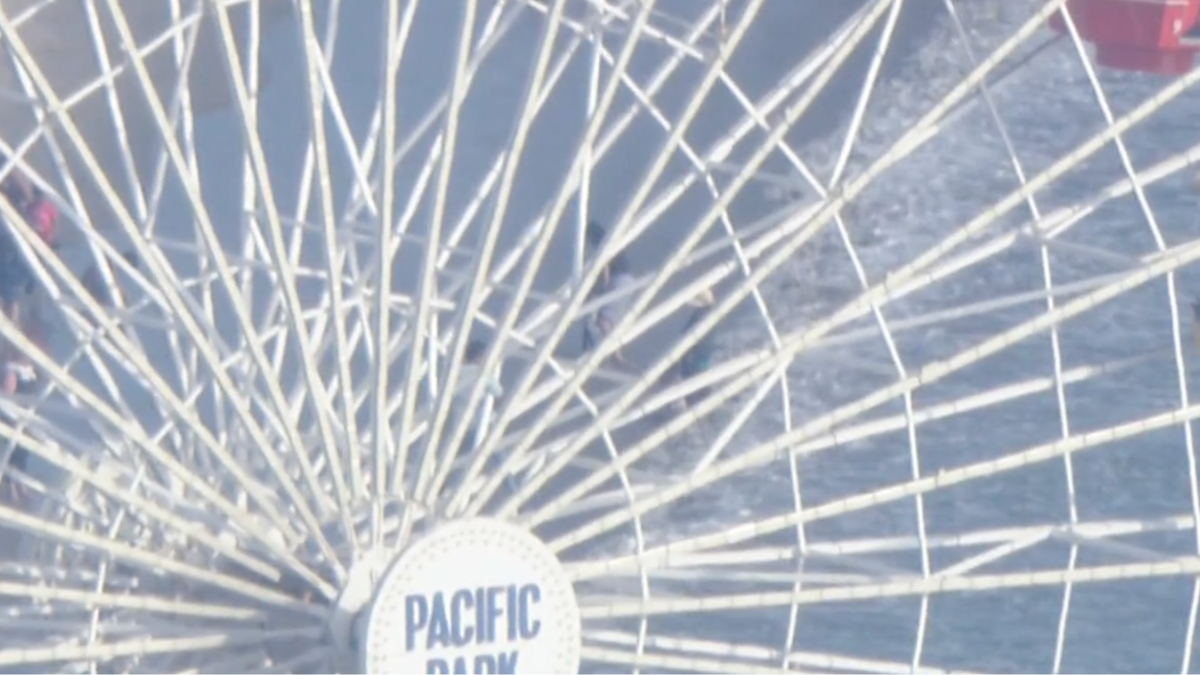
(475, 596)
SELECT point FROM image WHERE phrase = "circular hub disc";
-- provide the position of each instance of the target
(474, 596)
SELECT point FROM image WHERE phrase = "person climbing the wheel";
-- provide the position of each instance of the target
(16, 278)
(18, 462)
(698, 359)
(616, 276)
(595, 237)
(42, 214)
(470, 372)
(21, 378)
(20, 373)
(17, 187)
(31, 202)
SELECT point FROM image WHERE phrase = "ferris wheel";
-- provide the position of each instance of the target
(600, 335)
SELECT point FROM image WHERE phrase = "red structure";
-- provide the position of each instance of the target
(1149, 36)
